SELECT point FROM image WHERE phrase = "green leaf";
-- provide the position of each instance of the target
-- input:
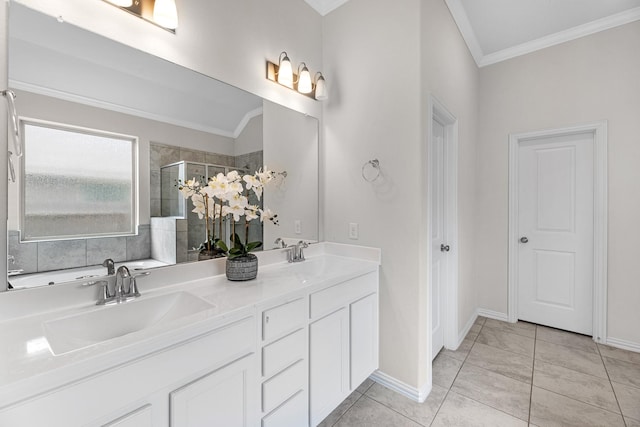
(253, 245)
(220, 244)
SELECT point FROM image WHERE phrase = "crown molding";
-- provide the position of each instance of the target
(466, 29)
(468, 34)
(245, 121)
(574, 33)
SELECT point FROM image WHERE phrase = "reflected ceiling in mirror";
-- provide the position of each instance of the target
(67, 76)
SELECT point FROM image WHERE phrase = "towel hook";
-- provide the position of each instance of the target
(374, 165)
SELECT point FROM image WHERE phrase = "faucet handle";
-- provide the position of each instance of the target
(106, 295)
(110, 266)
(133, 285)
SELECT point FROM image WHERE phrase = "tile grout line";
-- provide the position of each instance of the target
(533, 371)
(611, 384)
(393, 410)
(454, 380)
(348, 409)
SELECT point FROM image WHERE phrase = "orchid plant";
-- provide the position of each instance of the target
(228, 195)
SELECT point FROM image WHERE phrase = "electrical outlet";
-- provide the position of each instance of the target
(297, 226)
(353, 230)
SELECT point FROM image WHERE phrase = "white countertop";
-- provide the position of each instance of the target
(28, 367)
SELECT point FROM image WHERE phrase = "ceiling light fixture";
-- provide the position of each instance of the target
(282, 73)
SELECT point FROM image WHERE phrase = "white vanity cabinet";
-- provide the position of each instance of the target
(285, 363)
(280, 352)
(209, 377)
(221, 398)
(343, 342)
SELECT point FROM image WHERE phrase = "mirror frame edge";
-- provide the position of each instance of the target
(4, 131)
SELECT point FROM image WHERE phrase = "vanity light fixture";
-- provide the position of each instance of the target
(165, 13)
(321, 87)
(304, 79)
(285, 71)
(162, 13)
(282, 73)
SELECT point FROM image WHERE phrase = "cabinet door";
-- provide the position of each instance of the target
(141, 417)
(364, 339)
(223, 398)
(328, 363)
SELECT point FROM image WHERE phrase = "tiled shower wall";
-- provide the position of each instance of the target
(162, 155)
(33, 257)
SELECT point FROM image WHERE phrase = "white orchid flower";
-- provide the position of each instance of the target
(251, 213)
(233, 176)
(186, 191)
(198, 205)
(237, 206)
(253, 183)
(267, 214)
(264, 176)
(235, 187)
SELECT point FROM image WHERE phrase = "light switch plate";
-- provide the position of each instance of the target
(353, 230)
(297, 225)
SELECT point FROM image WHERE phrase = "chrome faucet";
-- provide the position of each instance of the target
(122, 276)
(296, 253)
(111, 268)
(280, 244)
(125, 288)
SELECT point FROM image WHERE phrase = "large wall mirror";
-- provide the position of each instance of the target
(109, 132)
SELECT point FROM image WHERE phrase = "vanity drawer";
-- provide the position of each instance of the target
(283, 386)
(330, 299)
(292, 413)
(283, 318)
(283, 352)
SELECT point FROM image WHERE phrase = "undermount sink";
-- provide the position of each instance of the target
(105, 323)
(312, 268)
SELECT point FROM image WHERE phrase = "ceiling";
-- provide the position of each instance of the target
(496, 30)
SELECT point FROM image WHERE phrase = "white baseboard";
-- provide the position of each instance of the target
(493, 314)
(417, 395)
(466, 329)
(623, 344)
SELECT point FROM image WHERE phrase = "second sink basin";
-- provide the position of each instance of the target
(85, 329)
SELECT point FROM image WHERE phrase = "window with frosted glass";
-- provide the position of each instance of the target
(76, 183)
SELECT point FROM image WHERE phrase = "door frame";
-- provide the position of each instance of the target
(437, 110)
(600, 190)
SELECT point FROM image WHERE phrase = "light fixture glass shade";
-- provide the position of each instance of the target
(321, 87)
(285, 72)
(304, 79)
(121, 3)
(165, 14)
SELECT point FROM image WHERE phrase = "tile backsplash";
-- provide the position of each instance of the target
(34, 257)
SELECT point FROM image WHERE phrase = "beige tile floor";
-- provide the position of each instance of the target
(507, 374)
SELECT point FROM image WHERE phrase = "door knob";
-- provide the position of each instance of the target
(444, 248)
(524, 239)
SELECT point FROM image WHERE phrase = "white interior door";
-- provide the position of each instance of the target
(439, 248)
(555, 224)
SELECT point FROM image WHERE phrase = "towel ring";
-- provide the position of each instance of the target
(371, 165)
